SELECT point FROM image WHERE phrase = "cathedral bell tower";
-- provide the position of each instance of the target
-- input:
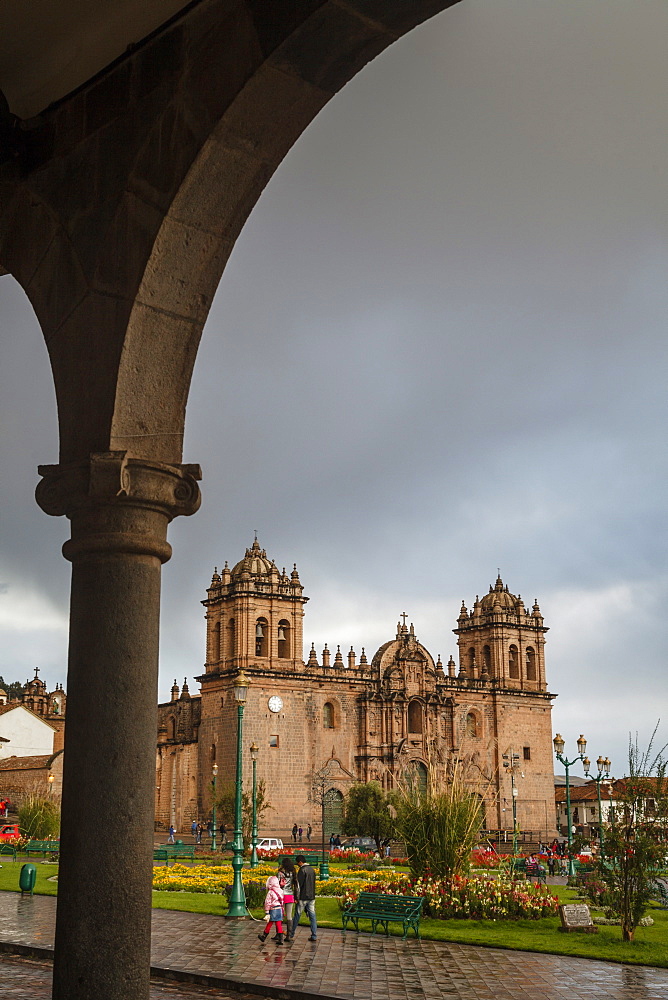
(254, 615)
(500, 640)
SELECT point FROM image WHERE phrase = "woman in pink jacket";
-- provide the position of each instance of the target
(273, 907)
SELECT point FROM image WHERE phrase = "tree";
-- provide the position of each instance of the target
(366, 813)
(14, 690)
(225, 807)
(635, 843)
(439, 823)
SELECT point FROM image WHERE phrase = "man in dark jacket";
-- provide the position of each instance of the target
(305, 898)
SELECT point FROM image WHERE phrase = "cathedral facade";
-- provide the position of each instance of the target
(332, 719)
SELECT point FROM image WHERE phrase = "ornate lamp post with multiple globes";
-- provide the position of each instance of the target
(254, 861)
(559, 745)
(237, 907)
(603, 765)
(213, 811)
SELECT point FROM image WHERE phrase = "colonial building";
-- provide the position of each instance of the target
(333, 719)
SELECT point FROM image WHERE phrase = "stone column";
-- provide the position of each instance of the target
(119, 509)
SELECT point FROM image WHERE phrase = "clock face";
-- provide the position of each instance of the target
(275, 703)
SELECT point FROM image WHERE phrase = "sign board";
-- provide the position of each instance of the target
(576, 917)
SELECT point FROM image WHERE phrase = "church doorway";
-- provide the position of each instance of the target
(333, 812)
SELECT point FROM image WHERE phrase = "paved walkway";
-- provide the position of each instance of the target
(222, 955)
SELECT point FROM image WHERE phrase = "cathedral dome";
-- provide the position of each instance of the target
(254, 563)
(499, 595)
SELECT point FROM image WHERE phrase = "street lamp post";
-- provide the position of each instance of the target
(237, 907)
(254, 861)
(51, 780)
(603, 765)
(511, 761)
(213, 811)
(559, 745)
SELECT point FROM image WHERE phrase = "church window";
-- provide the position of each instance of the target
(171, 729)
(527, 753)
(415, 717)
(471, 663)
(471, 724)
(531, 664)
(487, 658)
(215, 652)
(328, 715)
(513, 662)
(284, 640)
(261, 637)
(231, 638)
(273, 741)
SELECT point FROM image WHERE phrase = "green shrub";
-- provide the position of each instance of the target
(39, 818)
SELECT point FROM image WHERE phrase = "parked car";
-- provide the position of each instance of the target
(270, 844)
(10, 831)
(359, 844)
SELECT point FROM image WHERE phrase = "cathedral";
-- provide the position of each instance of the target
(333, 719)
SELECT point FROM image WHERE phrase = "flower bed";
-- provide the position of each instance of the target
(474, 898)
(214, 878)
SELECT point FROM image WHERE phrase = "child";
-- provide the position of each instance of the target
(273, 907)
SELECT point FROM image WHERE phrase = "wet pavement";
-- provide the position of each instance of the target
(221, 956)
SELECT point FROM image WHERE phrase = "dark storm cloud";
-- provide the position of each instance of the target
(438, 348)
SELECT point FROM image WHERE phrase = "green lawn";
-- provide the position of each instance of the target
(649, 948)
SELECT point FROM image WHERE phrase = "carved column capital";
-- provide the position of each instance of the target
(117, 503)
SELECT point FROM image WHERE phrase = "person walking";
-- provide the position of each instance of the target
(193, 828)
(223, 835)
(305, 898)
(170, 839)
(273, 907)
(301, 831)
(200, 831)
(309, 831)
(294, 833)
(287, 878)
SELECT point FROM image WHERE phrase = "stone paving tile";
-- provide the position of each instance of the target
(351, 966)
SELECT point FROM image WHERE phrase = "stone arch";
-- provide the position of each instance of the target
(284, 639)
(530, 663)
(513, 662)
(172, 181)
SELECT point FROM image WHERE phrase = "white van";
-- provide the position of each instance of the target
(270, 844)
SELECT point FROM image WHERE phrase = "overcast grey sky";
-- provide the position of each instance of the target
(438, 349)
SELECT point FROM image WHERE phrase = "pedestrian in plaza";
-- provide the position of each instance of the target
(209, 828)
(273, 907)
(193, 827)
(301, 831)
(386, 847)
(287, 878)
(309, 831)
(331, 841)
(305, 898)
(200, 831)
(172, 831)
(223, 834)
(295, 830)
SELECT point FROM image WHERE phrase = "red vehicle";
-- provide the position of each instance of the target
(10, 831)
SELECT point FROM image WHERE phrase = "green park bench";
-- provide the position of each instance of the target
(660, 893)
(381, 908)
(8, 849)
(174, 852)
(537, 871)
(42, 847)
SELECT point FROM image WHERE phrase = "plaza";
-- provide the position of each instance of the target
(204, 955)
